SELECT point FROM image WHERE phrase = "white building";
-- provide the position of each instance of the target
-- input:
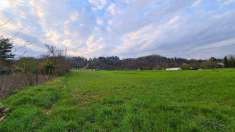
(173, 69)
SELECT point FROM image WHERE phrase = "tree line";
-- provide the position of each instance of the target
(151, 62)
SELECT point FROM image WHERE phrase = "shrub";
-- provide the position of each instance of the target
(27, 65)
(186, 66)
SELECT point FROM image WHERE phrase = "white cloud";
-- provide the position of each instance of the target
(219, 44)
(74, 16)
(4, 4)
(99, 21)
(53, 37)
(148, 37)
(197, 2)
(113, 9)
(98, 4)
(94, 47)
(227, 2)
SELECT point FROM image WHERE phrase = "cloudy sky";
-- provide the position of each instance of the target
(125, 28)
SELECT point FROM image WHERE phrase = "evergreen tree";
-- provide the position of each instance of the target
(232, 61)
(226, 63)
(6, 50)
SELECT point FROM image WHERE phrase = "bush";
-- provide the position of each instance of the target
(47, 66)
(27, 65)
(186, 67)
(55, 65)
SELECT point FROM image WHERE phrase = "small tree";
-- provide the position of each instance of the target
(226, 63)
(212, 60)
(55, 62)
(232, 61)
(6, 50)
(5, 55)
(48, 66)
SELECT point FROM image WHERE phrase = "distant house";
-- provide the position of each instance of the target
(220, 65)
(173, 69)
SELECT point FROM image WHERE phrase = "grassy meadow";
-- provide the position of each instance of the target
(123, 101)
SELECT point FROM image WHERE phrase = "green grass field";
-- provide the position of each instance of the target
(126, 101)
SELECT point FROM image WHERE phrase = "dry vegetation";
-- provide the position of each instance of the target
(13, 82)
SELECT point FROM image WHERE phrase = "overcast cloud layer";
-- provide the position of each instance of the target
(126, 28)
